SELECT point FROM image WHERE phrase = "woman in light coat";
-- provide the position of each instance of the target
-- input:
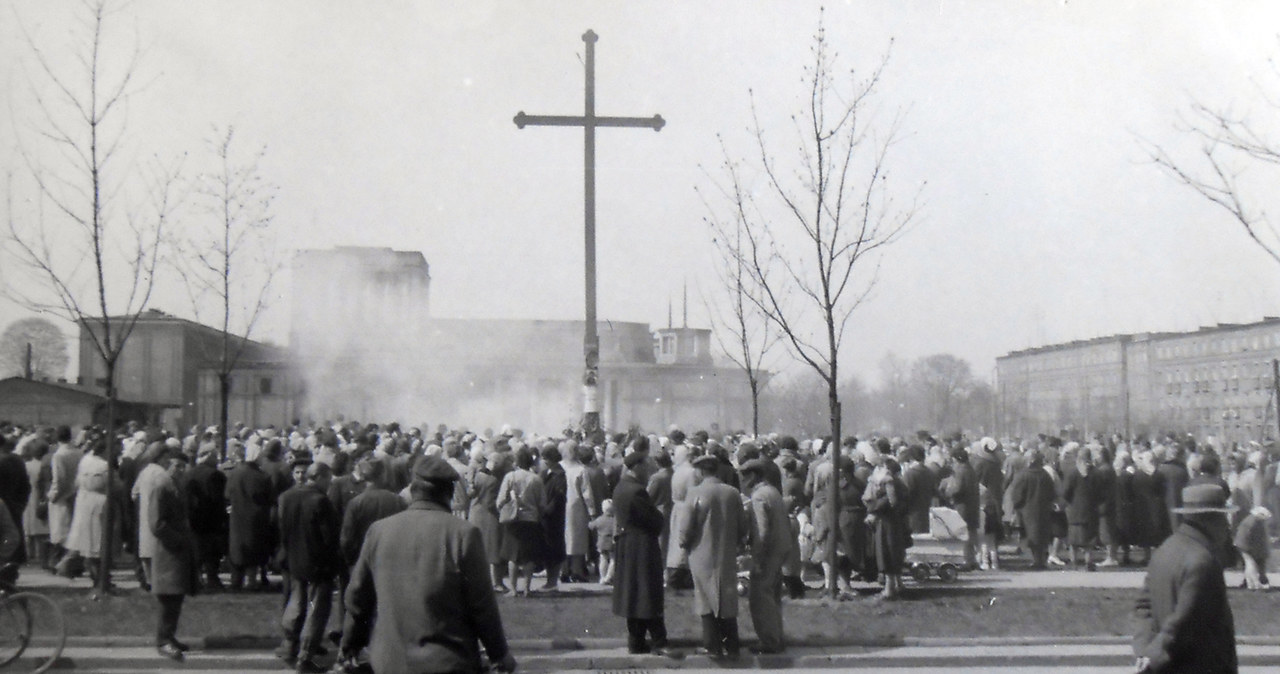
(523, 541)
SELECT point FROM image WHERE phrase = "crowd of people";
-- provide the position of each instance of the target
(349, 508)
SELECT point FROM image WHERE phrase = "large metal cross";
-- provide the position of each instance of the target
(589, 121)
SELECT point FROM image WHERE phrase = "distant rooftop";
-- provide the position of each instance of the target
(1220, 327)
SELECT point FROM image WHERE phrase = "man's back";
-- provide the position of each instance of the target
(371, 505)
(425, 574)
(1184, 620)
(309, 533)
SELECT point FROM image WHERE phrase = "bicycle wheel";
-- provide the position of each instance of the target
(39, 629)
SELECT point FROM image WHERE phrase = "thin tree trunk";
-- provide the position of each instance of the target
(224, 404)
(833, 501)
(109, 517)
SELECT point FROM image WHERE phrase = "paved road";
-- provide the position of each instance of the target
(900, 660)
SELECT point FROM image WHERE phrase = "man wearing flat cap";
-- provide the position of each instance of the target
(425, 575)
(1183, 620)
(716, 525)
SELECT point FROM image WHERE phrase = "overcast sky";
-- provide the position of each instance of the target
(388, 123)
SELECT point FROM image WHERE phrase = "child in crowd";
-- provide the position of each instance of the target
(1251, 540)
(605, 527)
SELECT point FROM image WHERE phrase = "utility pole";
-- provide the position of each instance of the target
(589, 121)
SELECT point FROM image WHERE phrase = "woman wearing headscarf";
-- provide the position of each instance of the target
(483, 490)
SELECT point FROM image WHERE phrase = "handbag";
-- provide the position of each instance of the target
(510, 509)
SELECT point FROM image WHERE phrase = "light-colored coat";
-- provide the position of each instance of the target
(715, 527)
(150, 478)
(577, 496)
(681, 483)
(62, 491)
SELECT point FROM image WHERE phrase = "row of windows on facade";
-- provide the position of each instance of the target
(264, 385)
(1199, 347)
(1214, 414)
(1219, 346)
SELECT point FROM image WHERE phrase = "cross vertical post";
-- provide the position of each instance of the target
(589, 121)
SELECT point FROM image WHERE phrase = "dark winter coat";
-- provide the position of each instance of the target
(637, 583)
(422, 586)
(309, 534)
(887, 506)
(370, 506)
(207, 496)
(15, 491)
(173, 563)
(922, 487)
(556, 491)
(962, 489)
(251, 538)
(1175, 476)
(1184, 623)
(1033, 496)
(1151, 515)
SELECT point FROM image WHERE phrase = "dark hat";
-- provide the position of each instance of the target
(707, 462)
(634, 459)
(753, 466)
(1204, 498)
(301, 459)
(434, 468)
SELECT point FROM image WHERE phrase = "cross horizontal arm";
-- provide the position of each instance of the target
(522, 120)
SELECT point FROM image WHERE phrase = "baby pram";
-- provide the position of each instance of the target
(941, 551)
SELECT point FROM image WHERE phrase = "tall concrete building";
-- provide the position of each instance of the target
(1215, 381)
(367, 347)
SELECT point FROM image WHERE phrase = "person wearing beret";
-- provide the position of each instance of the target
(769, 527)
(638, 575)
(424, 575)
(311, 557)
(1184, 623)
(712, 533)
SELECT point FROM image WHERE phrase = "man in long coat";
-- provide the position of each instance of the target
(1033, 494)
(1184, 623)
(15, 491)
(420, 595)
(251, 540)
(309, 542)
(771, 540)
(637, 584)
(715, 527)
(173, 562)
(206, 493)
(922, 487)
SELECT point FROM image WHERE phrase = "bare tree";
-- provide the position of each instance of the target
(944, 383)
(34, 347)
(97, 250)
(1231, 164)
(228, 259)
(745, 334)
(835, 198)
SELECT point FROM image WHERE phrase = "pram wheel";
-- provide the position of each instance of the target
(948, 572)
(920, 572)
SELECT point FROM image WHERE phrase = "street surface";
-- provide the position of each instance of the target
(1053, 659)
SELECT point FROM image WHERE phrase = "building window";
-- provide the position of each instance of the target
(668, 344)
(264, 386)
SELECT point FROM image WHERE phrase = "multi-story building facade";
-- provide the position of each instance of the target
(1215, 381)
